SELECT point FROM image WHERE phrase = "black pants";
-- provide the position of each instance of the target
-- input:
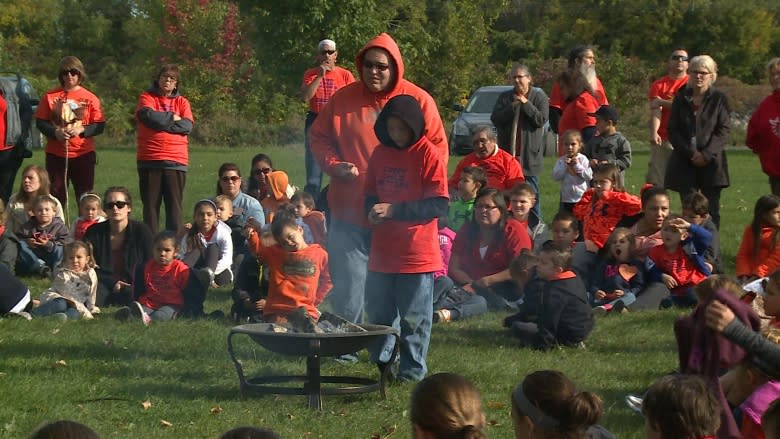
(158, 185)
(207, 258)
(10, 162)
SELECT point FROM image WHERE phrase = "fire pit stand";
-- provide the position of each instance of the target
(313, 346)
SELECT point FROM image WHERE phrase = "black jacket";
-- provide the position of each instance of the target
(565, 316)
(535, 114)
(137, 248)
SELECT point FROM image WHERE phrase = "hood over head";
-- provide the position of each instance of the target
(386, 42)
(407, 109)
(277, 182)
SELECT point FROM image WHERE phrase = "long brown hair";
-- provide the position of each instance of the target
(43, 189)
(448, 405)
(764, 205)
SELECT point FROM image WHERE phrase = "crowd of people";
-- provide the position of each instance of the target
(406, 245)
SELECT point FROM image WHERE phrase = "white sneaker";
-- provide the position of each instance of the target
(137, 310)
(634, 403)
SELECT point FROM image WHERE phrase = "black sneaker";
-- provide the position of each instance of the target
(123, 314)
(205, 276)
(666, 303)
(619, 307)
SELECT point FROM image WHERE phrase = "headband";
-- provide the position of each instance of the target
(207, 201)
(86, 195)
(536, 415)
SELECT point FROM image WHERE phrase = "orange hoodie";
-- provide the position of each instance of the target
(768, 260)
(277, 186)
(344, 132)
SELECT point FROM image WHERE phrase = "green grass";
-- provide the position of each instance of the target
(99, 372)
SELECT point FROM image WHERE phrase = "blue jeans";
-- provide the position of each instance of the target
(405, 302)
(627, 299)
(163, 313)
(55, 306)
(447, 296)
(348, 263)
(29, 262)
(313, 171)
(533, 180)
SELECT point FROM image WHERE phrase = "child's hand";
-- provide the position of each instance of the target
(709, 266)
(717, 316)
(593, 163)
(668, 281)
(618, 293)
(259, 305)
(600, 294)
(267, 239)
(680, 224)
(187, 226)
(468, 288)
(119, 285)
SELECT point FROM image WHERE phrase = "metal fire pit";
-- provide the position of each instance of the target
(313, 346)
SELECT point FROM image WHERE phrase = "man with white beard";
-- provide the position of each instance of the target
(580, 58)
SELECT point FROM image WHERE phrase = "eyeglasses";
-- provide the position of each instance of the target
(480, 141)
(327, 52)
(108, 205)
(71, 72)
(368, 65)
(521, 76)
(484, 207)
(168, 78)
(230, 178)
(259, 171)
(700, 73)
(678, 58)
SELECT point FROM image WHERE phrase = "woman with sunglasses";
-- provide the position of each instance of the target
(119, 245)
(244, 206)
(164, 122)
(70, 116)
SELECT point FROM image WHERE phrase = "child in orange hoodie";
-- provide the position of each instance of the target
(759, 252)
(277, 182)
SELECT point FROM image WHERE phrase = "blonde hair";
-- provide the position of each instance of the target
(704, 62)
(706, 288)
(71, 248)
(448, 406)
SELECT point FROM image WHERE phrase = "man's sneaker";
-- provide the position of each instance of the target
(205, 276)
(634, 403)
(442, 315)
(137, 310)
(123, 314)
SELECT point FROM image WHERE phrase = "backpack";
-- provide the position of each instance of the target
(18, 117)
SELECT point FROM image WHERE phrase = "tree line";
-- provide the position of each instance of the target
(242, 60)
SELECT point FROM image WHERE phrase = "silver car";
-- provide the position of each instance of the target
(476, 112)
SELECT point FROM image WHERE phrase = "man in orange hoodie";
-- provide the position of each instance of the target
(342, 141)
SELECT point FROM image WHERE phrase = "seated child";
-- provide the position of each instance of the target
(90, 212)
(572, 170)
(472, 179)
(619, 276)
(680, 406)
(15, 297)
(41, 239)
(696, 210)
(165, 286)
(610, 145)
(522, 269)
(565, 229)
(759, 251)
(9, 243)
(278, 183)
(208, 244)
(451, 302)
(225, 214)
(565, 317)
(679, 261)
(288, 209)
(763, 380)
(522, 198)
(303, 203)
(73, 290)
(299, 274)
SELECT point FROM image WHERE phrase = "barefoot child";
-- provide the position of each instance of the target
(74, 288)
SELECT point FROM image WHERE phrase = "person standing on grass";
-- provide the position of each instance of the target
(319, 84)
(519, 116)
(763, 133)
(660, 95)
(70, 116)
(164, 123)
(342, 141)
(699, 132)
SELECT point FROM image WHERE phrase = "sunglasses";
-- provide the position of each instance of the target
(678, 58)
(327, 52)
(71, 72)
(112, 204)
(232, 178)
(259, 171)
(379, 66)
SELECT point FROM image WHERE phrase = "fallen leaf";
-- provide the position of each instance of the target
(60, 363)
(55, 331)
(376, 436)
(146, 404)
(80, 407)
(215, 410)
(165, 423)
(492, 422)
(290, 416)
(496, 405)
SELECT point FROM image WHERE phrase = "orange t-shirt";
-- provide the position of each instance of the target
(331, 81)
(164, 284)
(503, 171)
(665, 88)
(85, 106)
(557, 101)
(297, 279)
(600, 216)
(154, 145)
(678, 265)
(575, 117)
(3, 110)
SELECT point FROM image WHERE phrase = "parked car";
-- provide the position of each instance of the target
(35, 139)
(475, 113)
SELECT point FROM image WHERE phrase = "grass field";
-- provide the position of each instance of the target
(102, 372)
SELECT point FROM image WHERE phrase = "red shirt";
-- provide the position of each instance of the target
(297, 279)
(85, 104)
(665, 88)
(575, 117)
(3, 110)
(399, 175)
(600, 216)
(557, 101)
(164, 284)
(503, 171)
(331, 81)
(154, 145)
(498, 255)
(678, 265)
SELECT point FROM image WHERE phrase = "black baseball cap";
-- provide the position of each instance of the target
(606, 112)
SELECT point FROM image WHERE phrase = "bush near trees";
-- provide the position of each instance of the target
(242, 60)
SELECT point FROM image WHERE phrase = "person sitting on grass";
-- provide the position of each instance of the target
(446, 405)
(759, 251)
(548, 405)
(681, 407)
(15, 299)
(209, 244)
(9, 243)
(73, 293)
(225, 214)
(165, 284)
(521, 199)
(565, 317)
(250, 433)
(619, 277)
(472, 179)
(41, 239)
(679, 261)
(63, 430)
(523, 272)
(695, 210)
(90, 212)
(303, 206)
(298, 272)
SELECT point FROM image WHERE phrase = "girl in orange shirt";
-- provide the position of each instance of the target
(759, 252)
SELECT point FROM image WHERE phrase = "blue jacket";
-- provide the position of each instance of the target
(694, 246)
